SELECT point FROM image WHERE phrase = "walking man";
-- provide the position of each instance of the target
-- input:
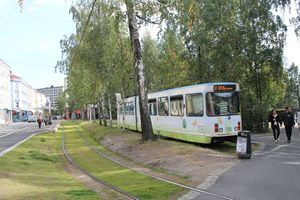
(289, 122)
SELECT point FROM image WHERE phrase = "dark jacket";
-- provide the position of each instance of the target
(275, 121)
(288, 119)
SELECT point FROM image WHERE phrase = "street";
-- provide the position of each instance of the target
(14, 134)
(273, 173)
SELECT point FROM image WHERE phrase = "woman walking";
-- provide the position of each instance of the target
(39, 120)
(275, 121)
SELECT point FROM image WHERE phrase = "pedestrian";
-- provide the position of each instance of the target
(289, 122)
(39, 120)
(46, 120)
(275, 122)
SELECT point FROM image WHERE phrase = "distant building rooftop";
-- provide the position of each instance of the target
(51, 87)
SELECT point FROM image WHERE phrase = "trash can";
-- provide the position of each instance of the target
(243, 144)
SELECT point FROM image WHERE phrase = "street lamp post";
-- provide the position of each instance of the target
(259, 96)
(297, 86)
(258, 72)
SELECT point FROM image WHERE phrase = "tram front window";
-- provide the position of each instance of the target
(218, 104)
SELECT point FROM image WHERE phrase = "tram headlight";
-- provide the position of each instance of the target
(216, 128)
(238, 127)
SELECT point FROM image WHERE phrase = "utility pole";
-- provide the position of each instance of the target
(297, 86)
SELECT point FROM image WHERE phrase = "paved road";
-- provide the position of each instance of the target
(16, 133)
(272, 174)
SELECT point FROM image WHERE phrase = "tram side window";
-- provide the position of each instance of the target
(194, 105)
(152, 107)
(129, 108)
(163, 109)
(176, 106)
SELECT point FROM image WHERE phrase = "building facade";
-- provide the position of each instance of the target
(25, 100)
(5, 93)
(52, 93)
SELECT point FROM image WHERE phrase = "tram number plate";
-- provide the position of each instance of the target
(228, 129)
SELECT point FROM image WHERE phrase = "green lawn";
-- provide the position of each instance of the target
(132, 182)
(35, 171)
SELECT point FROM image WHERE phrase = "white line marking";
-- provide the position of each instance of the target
(272, 150)
(292, 163)
(17, 144)
(12, 132)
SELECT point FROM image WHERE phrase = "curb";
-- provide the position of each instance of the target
(210, 180)
(260, 149)
(54, 130)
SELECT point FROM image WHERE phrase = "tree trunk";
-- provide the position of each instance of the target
(104, 111)
(99, 113)
(94, 114)
(90, 113)
(123, 104)
(109, 110)
(147, 132)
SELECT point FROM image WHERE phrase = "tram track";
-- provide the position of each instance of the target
(201, 191)
(109, 186)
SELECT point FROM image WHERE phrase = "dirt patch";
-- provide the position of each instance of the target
(189, 161)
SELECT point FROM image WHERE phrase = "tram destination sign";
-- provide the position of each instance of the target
(224, 88)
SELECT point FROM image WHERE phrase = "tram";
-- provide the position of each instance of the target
(204, 113)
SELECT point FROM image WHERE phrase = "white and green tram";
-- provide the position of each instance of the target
(204, 113)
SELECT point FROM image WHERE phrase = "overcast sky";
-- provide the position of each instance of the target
(30, 39)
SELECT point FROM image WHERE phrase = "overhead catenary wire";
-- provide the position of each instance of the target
(85, 27)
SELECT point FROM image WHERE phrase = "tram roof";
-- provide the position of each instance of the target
(189, 87)
(193, 86)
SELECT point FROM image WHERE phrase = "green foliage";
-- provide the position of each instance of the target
(61, 102)
(291, 97)
(199, 41)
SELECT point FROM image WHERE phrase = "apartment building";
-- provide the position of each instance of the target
(25, 99)
(53, 94)
(5, 93)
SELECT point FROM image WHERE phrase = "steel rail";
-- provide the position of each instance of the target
(114, 188)
(152, 176)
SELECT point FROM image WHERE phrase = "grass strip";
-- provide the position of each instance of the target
(35, 171)
(132, 182)
(99, 132)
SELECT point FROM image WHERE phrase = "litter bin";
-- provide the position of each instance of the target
(243, 144)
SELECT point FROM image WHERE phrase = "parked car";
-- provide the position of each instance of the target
(31, 118)
(54, 117)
